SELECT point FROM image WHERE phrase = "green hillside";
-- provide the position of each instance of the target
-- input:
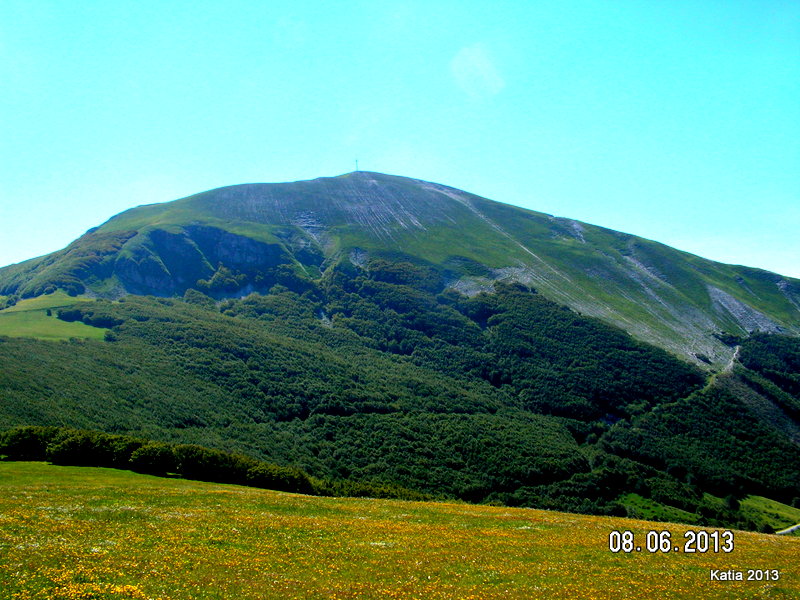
(503, 397)
(238, 239)
(30, 318)
(268, 377)
(68, 532)
(382, 331)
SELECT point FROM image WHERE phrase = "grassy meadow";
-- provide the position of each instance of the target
(776, 514)
(89, 533)
(29, 318)
(758, 508)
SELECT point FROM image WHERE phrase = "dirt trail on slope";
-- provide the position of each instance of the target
(734, 358)
(788, 530)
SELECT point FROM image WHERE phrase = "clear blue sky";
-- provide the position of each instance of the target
(676, 120)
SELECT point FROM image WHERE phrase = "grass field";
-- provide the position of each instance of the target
(28, 318)
(776, 514)
(756, 508)
(645, 508)
(86, 533)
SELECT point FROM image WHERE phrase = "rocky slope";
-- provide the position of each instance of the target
(234, 240)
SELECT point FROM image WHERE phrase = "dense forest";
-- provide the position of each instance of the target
(379, 377)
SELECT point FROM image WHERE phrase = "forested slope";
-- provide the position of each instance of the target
(372, 375)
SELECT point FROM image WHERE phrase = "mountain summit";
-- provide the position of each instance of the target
(380, 331)
(238, 239)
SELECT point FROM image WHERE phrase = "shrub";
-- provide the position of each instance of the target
(27, 443)
(91, 449)
(154, 459)
(204, 464)
(273, 477)
(69, 314)
(75, 448)
(192, 296)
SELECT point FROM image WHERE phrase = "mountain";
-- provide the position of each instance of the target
(235, 240)
(383, 333)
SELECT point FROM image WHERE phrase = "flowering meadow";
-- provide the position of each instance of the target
(90, 533)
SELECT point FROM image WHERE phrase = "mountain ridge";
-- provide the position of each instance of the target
(358, 360)
(237, 238)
